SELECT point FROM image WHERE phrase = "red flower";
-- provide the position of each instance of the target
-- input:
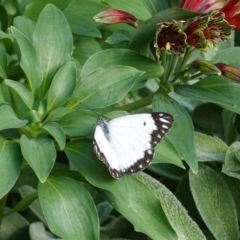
(170, 37)
(232, 13)
(206, 31)
(229, 71)
(111, 16)
(202, 6)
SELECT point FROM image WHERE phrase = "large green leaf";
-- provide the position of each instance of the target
(53, 41)
(78, 123)
(231, 164)
(10, 165)
(62, 86)
(215, 203)
(8, 118)
(173, 209)
(214, 89)
(134, 200)
(104, 87)
(111, 57)
(147, 30)
(40, 154)
(29, 61)
(22, 91)
(181, 135)
(69, 209)
(209, 148)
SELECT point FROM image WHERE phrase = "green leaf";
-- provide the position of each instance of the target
(118, 36)
(209, 148)
(176, 214)
(80, 17)
(62, 86)
(110, 57)
(57, 133)
(155, 6)
(165, 152)
(214, 202)
(38, 232)
(35, 207)
(40, 154)
(147, 30)
(14, 225)
(8, 118)
(181, 135)
(22, 91)
(53, 42)
(24, 203)
(35, 7)
(78, 123)
(84, 47)
(234, 186)
(10, 165)
(104, 87)
(129, 196)
(29, 62)
(230, 55)
(231, 166)
(57, 114)
(214, 89)
(25, 26)
(73, 213)
(3, 63)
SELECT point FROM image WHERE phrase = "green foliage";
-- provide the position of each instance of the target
(58, 70)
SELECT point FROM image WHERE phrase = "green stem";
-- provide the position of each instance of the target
(174, 64)
(2, 206)
(197, 75)
(138, 104)
(185, 58)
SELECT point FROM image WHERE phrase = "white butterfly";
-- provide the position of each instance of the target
(126, 144)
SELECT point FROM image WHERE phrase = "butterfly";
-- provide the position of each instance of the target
(126, 144)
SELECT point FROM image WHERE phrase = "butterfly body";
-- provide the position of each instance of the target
(126, 144)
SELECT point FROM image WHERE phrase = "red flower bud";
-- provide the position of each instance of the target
(229, 71)
(112, 16)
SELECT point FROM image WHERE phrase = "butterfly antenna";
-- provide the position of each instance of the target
(107, 101)
(89, 108)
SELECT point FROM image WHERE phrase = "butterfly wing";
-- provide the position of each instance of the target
(131, 141)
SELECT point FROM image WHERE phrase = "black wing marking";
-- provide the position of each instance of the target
(114, 172)
(163, 122)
